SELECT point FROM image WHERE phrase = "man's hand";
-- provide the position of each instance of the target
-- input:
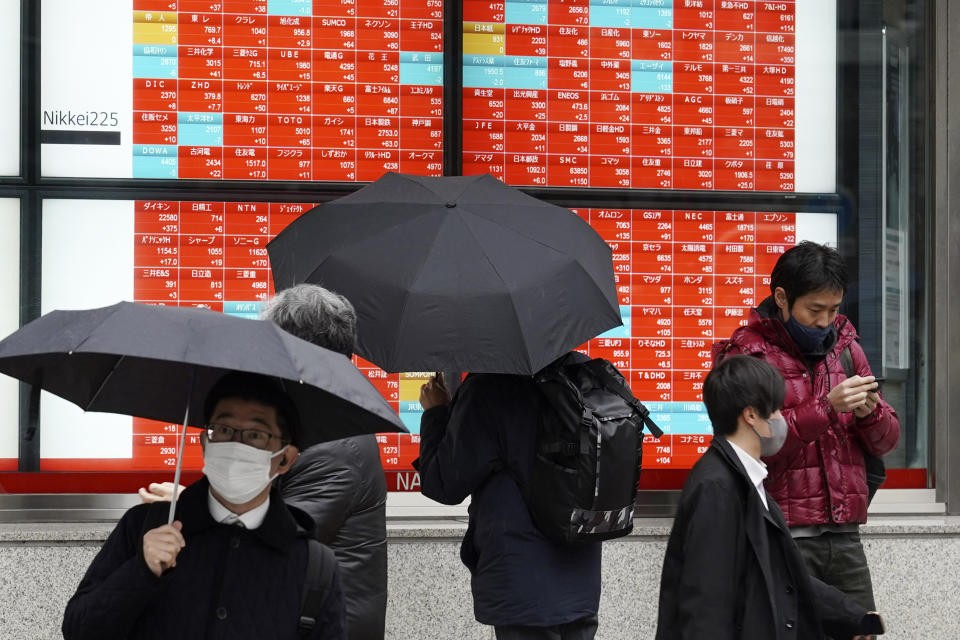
(852, 394)
(873, 399)
(434, 394)
(161, 546)
(158, 492)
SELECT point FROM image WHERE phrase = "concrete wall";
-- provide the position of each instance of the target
(915, 564)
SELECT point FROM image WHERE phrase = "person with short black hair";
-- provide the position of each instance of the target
(808, 268)
(340, 484)
(261, 389)
(833, 410)
(748, 384)
(731, 568)
(234, 562)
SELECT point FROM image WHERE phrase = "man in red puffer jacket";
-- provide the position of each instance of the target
(818, 477)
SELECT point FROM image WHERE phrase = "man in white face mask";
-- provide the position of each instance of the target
(234, 562)
(243, 451)
(732, 570)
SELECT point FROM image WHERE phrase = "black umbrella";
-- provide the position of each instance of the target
(456, 273)
(147, 361)
(160, 362)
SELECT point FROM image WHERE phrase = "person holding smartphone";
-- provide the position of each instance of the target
(818, 476)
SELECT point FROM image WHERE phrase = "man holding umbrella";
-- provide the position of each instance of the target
(483, 445)
(232, 563)
(464, 273)
(339, 484)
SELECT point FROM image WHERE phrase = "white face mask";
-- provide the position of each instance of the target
(236, 471)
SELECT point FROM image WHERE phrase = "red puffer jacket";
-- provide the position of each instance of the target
(818, 476)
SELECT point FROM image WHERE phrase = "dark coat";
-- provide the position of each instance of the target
(341, 486)
(818, 477)
(483, 446)
(732, 571)
(229, 582)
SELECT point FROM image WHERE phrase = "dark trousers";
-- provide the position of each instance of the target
(838, 560)
(582, 629)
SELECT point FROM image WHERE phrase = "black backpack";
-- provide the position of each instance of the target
(321, 564)
(583, 483)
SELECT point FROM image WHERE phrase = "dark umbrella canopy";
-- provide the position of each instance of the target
(456, 273)
(146, 361)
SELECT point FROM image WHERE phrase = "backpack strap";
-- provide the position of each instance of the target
(846, 360)
(874, 467)
(598, 369)
(566, 448)
(321, 564)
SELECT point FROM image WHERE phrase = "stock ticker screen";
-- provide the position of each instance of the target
(658, 94)
(332, 90)
(735, 95)
(684, 279)
(731, 95)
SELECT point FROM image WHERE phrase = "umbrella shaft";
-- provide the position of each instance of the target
(176, 474)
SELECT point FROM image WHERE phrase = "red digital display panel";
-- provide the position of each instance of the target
(657, 94)
(334, 90)
(684, 279)
(213, 255)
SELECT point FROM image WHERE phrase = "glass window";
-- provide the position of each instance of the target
(905, 232)
(9, 321)
(10, 89)
(727, 97)
(78, 272)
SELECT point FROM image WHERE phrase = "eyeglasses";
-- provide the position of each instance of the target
(251, 437)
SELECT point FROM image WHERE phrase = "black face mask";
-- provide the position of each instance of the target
(809, 339)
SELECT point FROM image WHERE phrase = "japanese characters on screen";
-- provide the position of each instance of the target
(334, 90)
(684, 278)
(663, 94)
(660, 94)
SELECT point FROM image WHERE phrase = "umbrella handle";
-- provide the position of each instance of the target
(451, 381)
(176, 474)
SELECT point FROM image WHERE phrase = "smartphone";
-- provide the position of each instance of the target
(872, 624)
(879, 380)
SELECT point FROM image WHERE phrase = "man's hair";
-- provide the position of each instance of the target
(258, 388)
(737, 383)
(316, 315)
(806, 268)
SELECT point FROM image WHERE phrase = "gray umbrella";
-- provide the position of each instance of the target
(160, 362)
(457, 273)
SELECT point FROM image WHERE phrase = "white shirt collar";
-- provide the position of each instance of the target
(251, 519)
(756, 470)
